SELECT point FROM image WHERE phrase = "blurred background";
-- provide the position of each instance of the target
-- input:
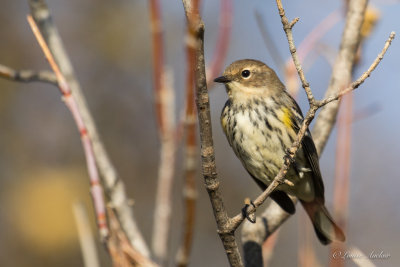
(42, 165)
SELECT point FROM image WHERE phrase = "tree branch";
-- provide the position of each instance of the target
(27, 75)
(190, 152)
(164, 102)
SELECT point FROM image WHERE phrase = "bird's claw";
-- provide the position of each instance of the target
(250, 217)
(288, 156)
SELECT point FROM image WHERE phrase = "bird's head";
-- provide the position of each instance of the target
(248, 77)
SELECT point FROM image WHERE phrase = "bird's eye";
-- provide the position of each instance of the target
(246, 74)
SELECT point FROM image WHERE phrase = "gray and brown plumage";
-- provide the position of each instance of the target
(261, 121)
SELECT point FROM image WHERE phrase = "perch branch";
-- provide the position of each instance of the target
(207, 148)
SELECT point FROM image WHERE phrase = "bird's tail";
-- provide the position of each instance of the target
(324, 226)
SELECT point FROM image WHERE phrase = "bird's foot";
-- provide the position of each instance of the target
(251, 217)
(288, 156)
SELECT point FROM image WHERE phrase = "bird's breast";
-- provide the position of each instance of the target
(256, 136)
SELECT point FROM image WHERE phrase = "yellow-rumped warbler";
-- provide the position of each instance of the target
(261, 121)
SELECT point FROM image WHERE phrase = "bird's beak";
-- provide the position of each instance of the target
(222, 79)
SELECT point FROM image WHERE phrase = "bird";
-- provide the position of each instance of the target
(261, 121)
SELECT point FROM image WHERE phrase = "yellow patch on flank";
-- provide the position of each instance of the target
(286, 117)
(223, 123)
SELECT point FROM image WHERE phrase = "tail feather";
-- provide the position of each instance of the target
(324, 226)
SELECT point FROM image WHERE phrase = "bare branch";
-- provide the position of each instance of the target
(114, 186)
(164, 102)
(190, 150)
(362, 78)
(27, 75)
(163, 208)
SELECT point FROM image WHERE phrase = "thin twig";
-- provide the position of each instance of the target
(113, 185)
(287, 27)
(158, 59)
(362, 78)
(86, 240)
(27, 75)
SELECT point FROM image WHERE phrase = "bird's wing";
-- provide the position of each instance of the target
(309, 150)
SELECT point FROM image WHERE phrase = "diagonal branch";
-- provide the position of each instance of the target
(96, 189)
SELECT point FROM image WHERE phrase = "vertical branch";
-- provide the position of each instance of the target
(158, 59)
(113, 185)
(207, 147)
(165, 115)
(162, 211)
(190, 148)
